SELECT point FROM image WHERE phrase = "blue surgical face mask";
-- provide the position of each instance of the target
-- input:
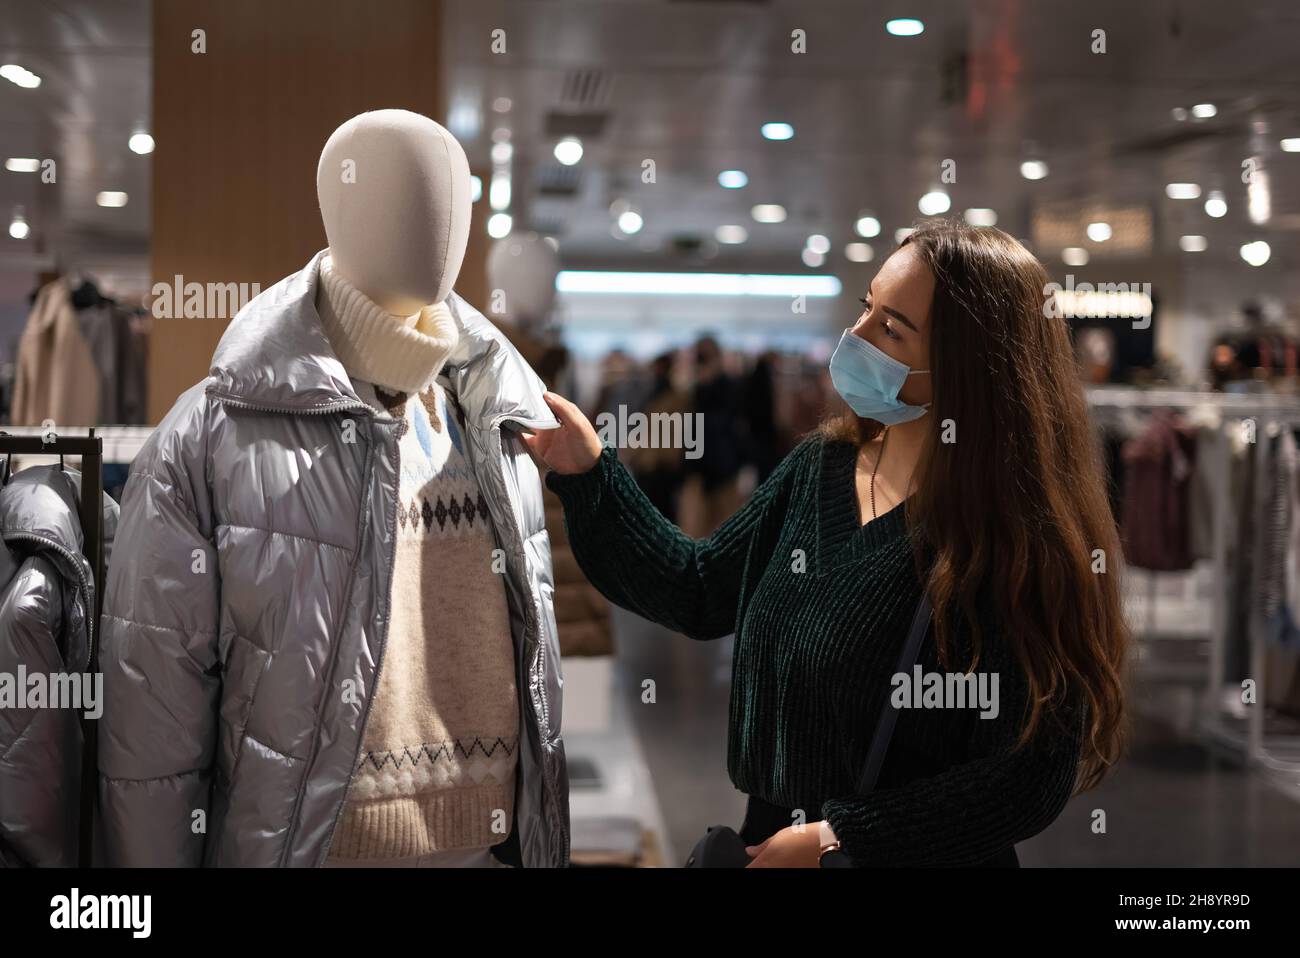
(869, 381)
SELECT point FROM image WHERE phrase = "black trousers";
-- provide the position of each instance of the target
(763, 820)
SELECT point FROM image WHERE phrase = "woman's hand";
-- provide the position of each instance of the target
(793, 847)
(572, 448)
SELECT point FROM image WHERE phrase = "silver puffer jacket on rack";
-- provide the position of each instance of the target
(246, 606)
(47, 602)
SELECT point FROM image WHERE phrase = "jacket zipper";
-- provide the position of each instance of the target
(87, 590)
(347, 597)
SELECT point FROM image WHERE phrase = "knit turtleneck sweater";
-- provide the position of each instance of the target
(436, 772)
(820, 606)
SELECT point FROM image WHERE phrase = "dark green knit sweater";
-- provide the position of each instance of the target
(820, 606)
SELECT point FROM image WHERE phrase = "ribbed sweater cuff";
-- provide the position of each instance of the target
(422, 824)
(583, 493)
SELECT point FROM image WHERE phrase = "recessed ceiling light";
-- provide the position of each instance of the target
(22, 164)
(501, 104)
(768, 213)
(934, 203)
(498, 225)
(1256, 253)
(141, 143)
(696, 284)
(858, 252)
(1074, 256)
(1203, 111)
(904, 27)
(20, 75)
(818, 244)
(1179, 113)
(777, 131)
(501, 134)
(1099, 232)
(1290, 145)
(630, 222)
(1033, 169)
(731, 234)
(502, 152)
(499, 191)
(18, 227)
(732, 179)
(812, 258)
(569, 150)
(111, 198)
(1182, 191)
(1215, 204)
(981, 216)
(1192, 244)
(475, 188)
(867, 226)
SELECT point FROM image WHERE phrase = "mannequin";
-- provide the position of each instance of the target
(394, 190)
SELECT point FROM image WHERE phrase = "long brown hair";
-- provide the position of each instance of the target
(1016, 507)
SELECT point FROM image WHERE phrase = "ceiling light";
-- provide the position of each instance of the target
(1256, 253)
(902, 234)
(630, 222)
(1203, 111)
(1033, 169)
(111, 198)
(867, 226)
(22, 164)
(777, 131)
(934, 203)
(18, 227)
(569, 150)
(696, 284)
(1259, 198)
(904, 27)
(1074, 256)
(858, 252)
(475, 188)
(498, 225)
(981, 216)
(818, 244)
(501, 104)
(768, 213)
(1215, 204)
(501, 134)
(1179, 113)
(1290, 145)
(812, 258)
(1192, 244)
(731, 234)
(1182, 191)
(499, 191)
(1099, 232)
(732, 179)
(502, 152)
(20, 75)
(141, 143)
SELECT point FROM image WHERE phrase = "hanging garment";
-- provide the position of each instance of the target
(1158, 468)
(246, 607)
(47, 601)
(56, 377)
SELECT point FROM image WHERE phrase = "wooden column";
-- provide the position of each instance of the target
(239, 129)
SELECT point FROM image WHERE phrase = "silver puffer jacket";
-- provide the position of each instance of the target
(47, 601)
(249, 592)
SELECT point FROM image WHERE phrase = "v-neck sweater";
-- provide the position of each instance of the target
(820, 605)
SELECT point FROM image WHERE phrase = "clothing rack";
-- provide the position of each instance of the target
(1269, 411)
(91, 512)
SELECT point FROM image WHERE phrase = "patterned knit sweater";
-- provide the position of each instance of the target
(437, 766)
(820, 606)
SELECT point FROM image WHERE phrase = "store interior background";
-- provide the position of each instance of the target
(1185, 92)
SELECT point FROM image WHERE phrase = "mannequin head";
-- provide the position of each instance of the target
(394, 194)
(523, 268)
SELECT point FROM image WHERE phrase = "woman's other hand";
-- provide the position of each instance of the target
(572, 448)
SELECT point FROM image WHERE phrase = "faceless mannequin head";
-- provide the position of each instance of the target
(523, 267)
(394, 193)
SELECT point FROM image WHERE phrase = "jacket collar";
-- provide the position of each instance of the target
(275, 355)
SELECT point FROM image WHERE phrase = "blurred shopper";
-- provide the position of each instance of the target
(659, 471)
(963, 469)
(759, 410)
(712, 490)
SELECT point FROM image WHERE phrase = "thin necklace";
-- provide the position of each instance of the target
(884, 439)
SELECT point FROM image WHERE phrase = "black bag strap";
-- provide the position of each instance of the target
(888, 714)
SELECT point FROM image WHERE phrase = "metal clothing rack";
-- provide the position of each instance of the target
(91, 512)
(1269, 411)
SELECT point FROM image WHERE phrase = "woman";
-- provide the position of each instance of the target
(965, 460)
